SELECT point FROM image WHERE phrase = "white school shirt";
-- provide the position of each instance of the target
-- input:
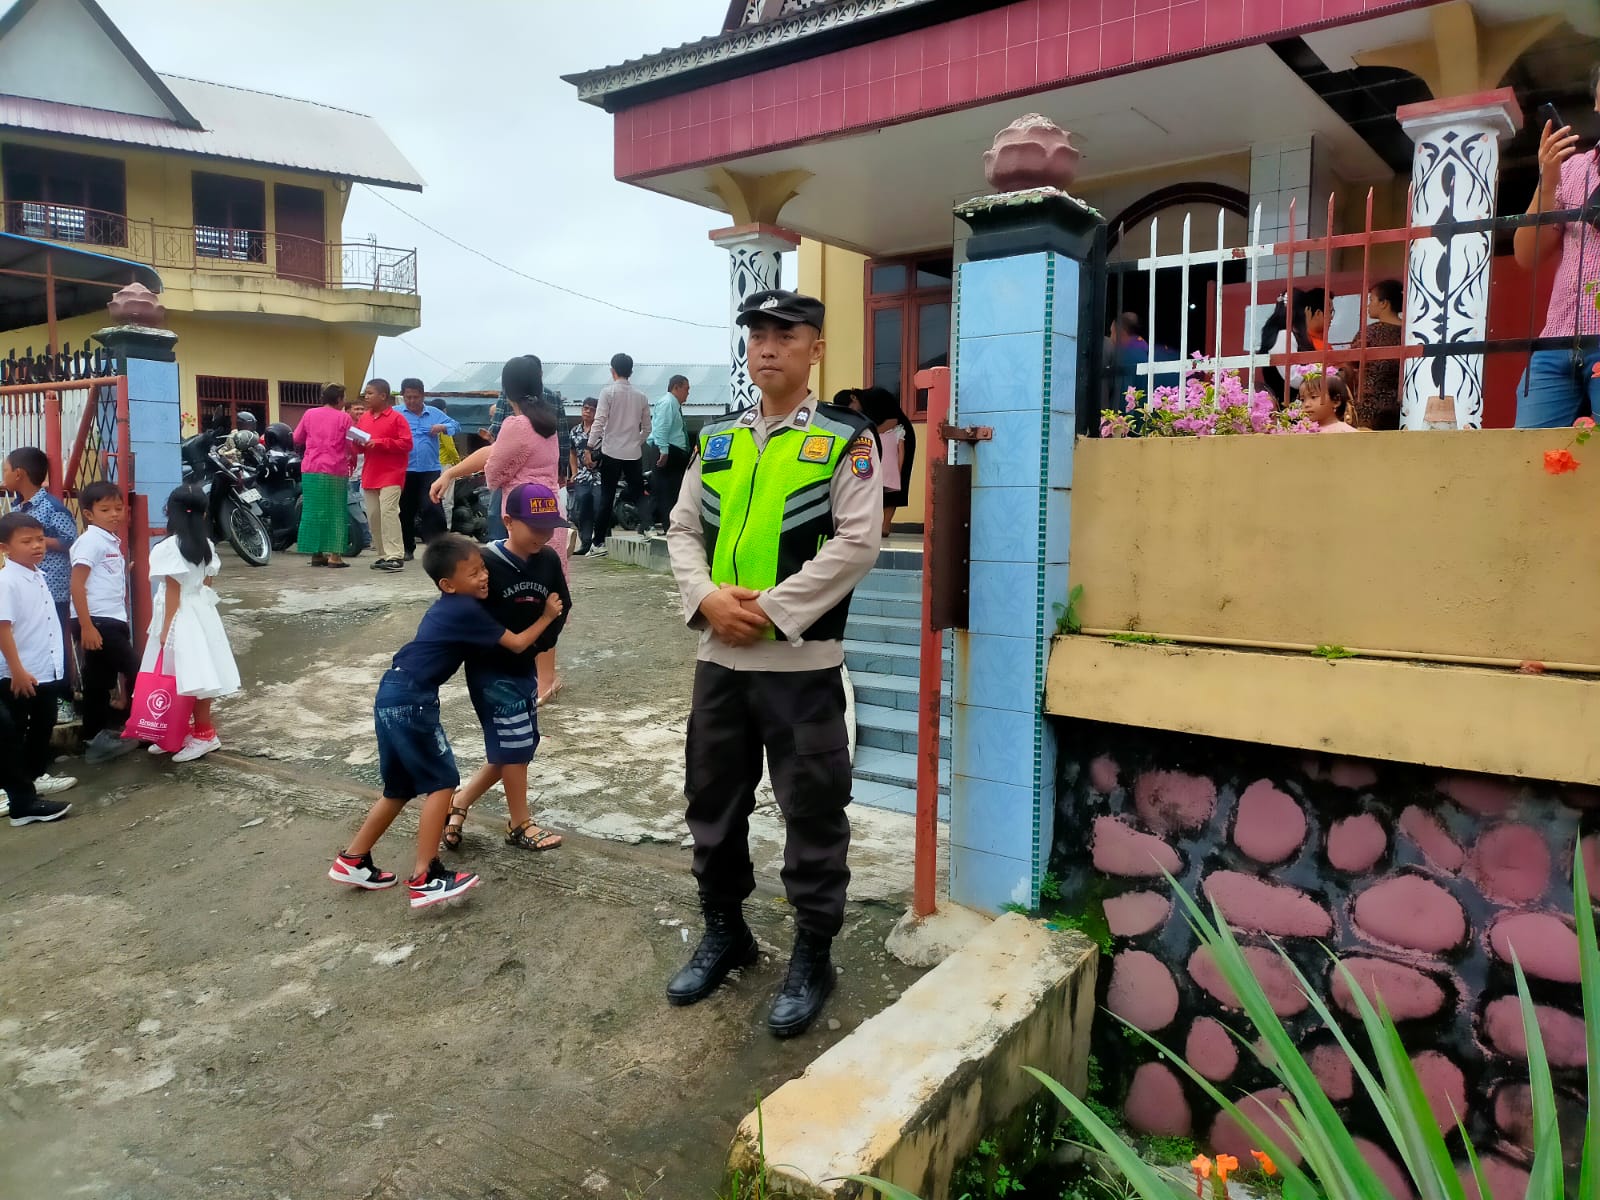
(101, 552)
(26, 602)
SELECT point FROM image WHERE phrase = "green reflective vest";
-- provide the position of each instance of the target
(766, 512)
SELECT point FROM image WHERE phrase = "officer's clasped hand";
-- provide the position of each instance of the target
(732, 616)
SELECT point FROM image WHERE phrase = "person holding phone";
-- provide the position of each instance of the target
(1556, 383)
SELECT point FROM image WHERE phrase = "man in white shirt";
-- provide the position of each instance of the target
(621, 426)
(100, 608)
(32, 662)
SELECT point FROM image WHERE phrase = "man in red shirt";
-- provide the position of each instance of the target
(383, 438)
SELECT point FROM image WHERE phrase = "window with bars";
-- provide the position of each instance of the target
(908, 323)
(64, 197)
(229, 217)
(226, 396)
(295, 400)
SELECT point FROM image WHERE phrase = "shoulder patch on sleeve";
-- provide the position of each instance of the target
(860, 456)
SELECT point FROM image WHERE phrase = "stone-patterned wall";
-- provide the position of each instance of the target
(1420, 880)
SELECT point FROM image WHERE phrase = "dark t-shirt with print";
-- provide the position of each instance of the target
(518, 589)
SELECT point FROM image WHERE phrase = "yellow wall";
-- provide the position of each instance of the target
(1444, 560)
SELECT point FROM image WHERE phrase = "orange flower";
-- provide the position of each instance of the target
(1201, 1166)
(1559, 462)
(1226, 1163)
(1596, 371)
(1267, 1167)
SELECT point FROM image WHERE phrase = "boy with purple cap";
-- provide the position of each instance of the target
(524, 574)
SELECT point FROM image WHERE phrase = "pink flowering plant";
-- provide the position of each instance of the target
(1207, 405)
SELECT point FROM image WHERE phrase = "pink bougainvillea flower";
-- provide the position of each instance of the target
(1559, 462)
(1587, 422)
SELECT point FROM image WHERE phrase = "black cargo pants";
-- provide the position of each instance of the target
(797, 717)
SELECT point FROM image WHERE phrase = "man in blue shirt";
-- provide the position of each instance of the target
(418, 513)
(671, 440)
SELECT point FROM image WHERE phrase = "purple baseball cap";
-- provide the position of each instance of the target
(537, 505)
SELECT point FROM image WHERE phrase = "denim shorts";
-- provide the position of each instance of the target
(508, 709)
(414, 757)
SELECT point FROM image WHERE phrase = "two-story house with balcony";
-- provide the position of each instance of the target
(235, 197)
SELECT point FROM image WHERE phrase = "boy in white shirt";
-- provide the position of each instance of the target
(32, 658)
(100, 607)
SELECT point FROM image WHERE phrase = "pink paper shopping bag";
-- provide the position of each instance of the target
(157, 713)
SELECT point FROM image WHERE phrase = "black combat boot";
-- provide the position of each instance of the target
(726, 944)
(807, 985)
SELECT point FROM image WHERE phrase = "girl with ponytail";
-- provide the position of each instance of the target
(186, 632)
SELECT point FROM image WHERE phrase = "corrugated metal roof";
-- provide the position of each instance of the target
(710, 384)
(239, 125)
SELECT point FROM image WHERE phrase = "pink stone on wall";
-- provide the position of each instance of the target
(1546, 945)
(1253, 904)
(1412, 912)
(1211, 1049)
(1406, 992)
(1511, 862)
(1276, 979)
(1156, 1103)
(1561, 1032)
(1331, 1065)
(1353, 775)
(1385, 1168)
(1142, 991)
(1481, 794)
(1357, 843)
(1263, 1109)
(1172, 802)
(1120, 849)
(1431, 837)
(1505, 1180)
(1270, 825)
(1136, 913)
(1513, 1113)
(1103, 775)
(1445, 1087)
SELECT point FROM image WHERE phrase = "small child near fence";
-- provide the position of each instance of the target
(27, 468)
(186, 633)
(32, 671)
(100, 608)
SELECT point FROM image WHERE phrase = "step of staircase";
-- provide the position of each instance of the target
(877, 765)
(893, 691)
(873, 602)
(894, 729)
(906, 631)
(880, 658)
(893, 797)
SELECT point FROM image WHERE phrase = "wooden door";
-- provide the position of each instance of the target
(302, 249)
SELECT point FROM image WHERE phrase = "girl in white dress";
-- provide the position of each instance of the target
(184, 618)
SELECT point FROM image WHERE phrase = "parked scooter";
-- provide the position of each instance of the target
(278, 480)
(470, 509)
(222, 463)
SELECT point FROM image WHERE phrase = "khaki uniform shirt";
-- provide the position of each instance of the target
(795, 604)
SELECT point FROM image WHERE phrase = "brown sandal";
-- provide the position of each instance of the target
(452, 833)
(529, 836)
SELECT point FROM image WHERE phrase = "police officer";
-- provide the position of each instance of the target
(778, 520)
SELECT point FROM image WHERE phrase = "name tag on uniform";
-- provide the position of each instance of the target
(718, 448)
(816, 449)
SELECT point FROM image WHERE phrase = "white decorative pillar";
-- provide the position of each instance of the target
(754, 266)
(1453, 178)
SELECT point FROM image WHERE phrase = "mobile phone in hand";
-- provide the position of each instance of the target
(1547, 112)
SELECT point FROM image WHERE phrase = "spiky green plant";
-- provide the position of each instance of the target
(1333, 1166)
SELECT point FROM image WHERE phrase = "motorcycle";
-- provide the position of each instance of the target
(277, 468)
(234, 511)
(470, 509)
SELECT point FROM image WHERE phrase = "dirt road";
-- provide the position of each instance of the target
(189, 1008)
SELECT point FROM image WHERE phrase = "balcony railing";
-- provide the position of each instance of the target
(344, 265)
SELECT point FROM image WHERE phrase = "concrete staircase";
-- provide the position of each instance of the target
(881, 650)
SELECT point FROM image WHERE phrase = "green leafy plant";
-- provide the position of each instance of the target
(1067, 617)
(1011, 906)
(1050, 886)
(1331, 1163)
(1333, 653)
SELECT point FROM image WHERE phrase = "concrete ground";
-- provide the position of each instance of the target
(188, 1007)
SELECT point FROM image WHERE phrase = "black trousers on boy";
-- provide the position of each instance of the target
(33, 720)
(116, 659)
(612, 472)
(15, 780)
(420, 517)
(797, 718)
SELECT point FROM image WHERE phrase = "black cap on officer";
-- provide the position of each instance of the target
(789, 307)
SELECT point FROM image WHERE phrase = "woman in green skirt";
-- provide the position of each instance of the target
(327, 457)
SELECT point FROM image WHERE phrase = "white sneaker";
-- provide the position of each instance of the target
(194, 748)
(157, 748)
(49, 785)
(5, 804)
(598, 552)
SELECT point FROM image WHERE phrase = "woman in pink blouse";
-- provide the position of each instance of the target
(325, 463)
(527, 450)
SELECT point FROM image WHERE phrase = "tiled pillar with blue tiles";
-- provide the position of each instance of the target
(148, 358)
(1018, 345)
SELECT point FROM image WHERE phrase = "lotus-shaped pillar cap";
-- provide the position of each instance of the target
(1031, 152)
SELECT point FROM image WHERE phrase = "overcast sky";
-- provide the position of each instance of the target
(471, 93)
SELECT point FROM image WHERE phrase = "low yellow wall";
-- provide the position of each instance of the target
(1437, 544)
